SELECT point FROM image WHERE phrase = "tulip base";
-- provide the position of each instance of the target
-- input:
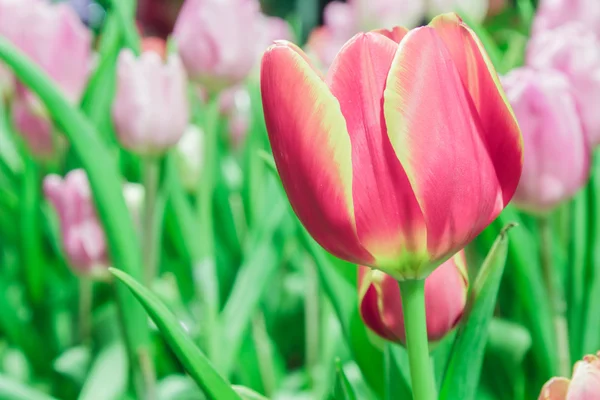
(421, 370)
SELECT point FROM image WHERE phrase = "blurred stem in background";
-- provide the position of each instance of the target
(556, 296)
(150, 223)
(205, 269)
(86, 287)
(421, 370)
(312, 319)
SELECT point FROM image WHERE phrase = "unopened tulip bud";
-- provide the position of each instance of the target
(557, 152)
(445, 300)
(83, 238)
(213, 40)
(574, 50)
(190, 157)
(150, 111)
(53, 37)
(583, 385)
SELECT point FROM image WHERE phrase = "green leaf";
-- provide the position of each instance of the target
(247, 393)
(464, 367)
(591, 336)
(14, 390)
(343, 389)
(252, 281)
(578, 267)
(110, 366)
(195, 362)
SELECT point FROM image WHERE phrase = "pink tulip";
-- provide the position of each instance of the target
(215, 39)
(402, 153)
(445, 300)
(557, 152)
(583, 385)
(83, 238)
(554, 13)
(575, 51)
(150, 111)
(53, 37)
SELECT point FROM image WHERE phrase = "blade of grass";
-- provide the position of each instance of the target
(194, 361)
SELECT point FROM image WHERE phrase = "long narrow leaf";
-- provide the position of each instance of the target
(195, 362)
(462, 375)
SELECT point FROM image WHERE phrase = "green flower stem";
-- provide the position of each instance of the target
(421, 370)
(205, 266)
(85, 308)
(150, 226)
(556, 296)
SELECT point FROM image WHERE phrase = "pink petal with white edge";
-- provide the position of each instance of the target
(311, 148)
(388, 218)
(438, 138)
(500, 131)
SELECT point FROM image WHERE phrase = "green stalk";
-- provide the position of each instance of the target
(205, 265)
(421, 370)
(556, 296)
(150, 225)
(311, 317)
(85, 308)
(31, 250)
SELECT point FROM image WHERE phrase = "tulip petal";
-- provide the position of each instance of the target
(396, 34)
(442, 152)
(371, 305)
(555, 389)
(311, 149)
(585, 383)
(388, 218)
(500, 130)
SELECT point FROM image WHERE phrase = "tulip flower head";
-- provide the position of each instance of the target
(557, 152)
(213, 40)
(402, 153)
(583, 385)
(574, 50)
(445, 300)
(83, 238)
(53, 37)
(150, 111)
